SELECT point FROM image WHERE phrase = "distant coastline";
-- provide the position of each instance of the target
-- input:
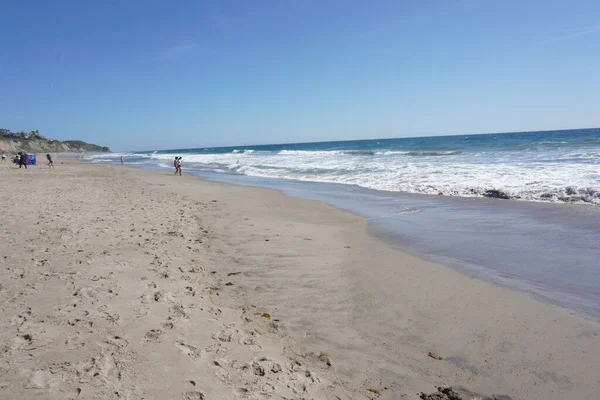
(14, 142)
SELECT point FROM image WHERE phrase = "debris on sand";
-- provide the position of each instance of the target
(326, 358)
(435, 356)
(450, 394)
(373, 390)
(441, 394)
(263, 314)
(496, 194)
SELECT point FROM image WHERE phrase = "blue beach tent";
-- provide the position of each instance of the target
(29, 159)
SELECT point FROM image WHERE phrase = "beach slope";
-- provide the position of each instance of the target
(118, 283)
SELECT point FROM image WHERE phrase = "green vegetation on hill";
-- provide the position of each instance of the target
(83, 146)
(13, 142)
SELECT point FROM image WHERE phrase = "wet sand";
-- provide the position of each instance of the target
(130, 284)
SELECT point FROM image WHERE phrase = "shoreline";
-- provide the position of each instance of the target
(333, 287)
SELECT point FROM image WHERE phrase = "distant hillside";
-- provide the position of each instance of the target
(33, 142)
(78, 145)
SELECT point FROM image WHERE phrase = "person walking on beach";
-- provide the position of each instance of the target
(23, 161)
(179, 165)
(122, 160)
(50, 162)
(175, 165)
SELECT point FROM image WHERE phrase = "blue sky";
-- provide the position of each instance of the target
(155, 74)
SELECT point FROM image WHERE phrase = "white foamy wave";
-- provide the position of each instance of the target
(101, 160)
(507, 182)
(556, 175)
(420, 153)
(308, 152)
(392, 153)
(116, 156)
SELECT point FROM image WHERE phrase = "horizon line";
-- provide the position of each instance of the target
(364, 140)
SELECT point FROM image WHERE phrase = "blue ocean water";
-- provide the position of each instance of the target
(553, 166)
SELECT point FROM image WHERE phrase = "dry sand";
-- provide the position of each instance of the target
(119, 283)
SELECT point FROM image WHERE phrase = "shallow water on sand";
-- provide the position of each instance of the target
(550, 250)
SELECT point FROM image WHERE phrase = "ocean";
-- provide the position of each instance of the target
(517, 209)
(554, 166)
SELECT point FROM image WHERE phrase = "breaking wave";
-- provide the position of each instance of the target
(551, 167)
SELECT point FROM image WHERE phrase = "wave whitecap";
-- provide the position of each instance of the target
(540, 167)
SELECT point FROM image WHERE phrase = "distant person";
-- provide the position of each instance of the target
(3, 158)
(179, 165)
(175, 165)
(23, 161)
(50, 162)
(122, 160)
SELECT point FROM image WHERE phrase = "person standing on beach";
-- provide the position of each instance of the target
(175, 165)
(179, 165)
(50, 162)
(122, 160)
(23, 161)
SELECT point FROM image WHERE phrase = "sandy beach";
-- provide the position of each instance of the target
(122, 283)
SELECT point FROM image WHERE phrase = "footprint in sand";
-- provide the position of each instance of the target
(167, 325)
(74, 342)
(187, 349)
(171, 298)
(158, 295)
(194, 395)
(141, 311)
(113, 318)
(223, 336)
(153, 336)
(190, 291)
(87, 294)
(215, 311)
(251, 342)
(79, 322)
(216, 348)
(268, 388)
(301, 381)
(114, 342)
(41, 379)
(178, 312)
(24, 342)
(220, 370)
(243, 393)
(103, 367)
(18, 320)
(264, 366)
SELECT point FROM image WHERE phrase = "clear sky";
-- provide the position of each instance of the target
(157, 74)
